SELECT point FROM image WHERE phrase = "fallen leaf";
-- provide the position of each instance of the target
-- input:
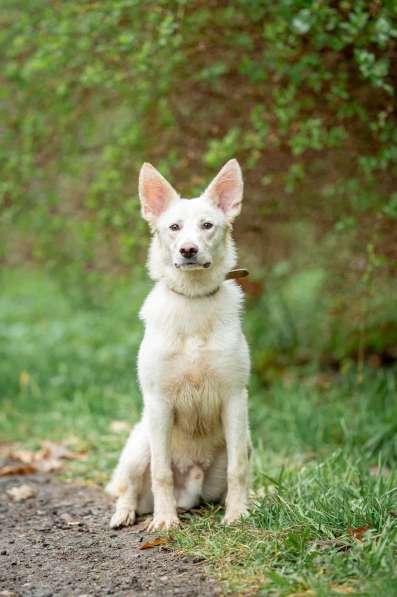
(17, 469)
(49, 466)
(119, 426)
(358, 532)
(21, 492)
(48, 459)
(25, 456)
(155, 542)
(55, 450)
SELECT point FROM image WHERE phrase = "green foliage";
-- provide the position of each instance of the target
(302, 320)
(302, 92)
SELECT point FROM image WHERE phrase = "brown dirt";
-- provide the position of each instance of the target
(58, 543)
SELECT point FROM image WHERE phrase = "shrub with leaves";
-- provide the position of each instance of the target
(303, 93)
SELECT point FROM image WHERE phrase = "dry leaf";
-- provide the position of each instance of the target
(155, 542)
(49, 457)
(17, 469)
(25, 456)
(46, 460)
(21, 492)
(358, 532)
(119, 427)
(49, 466)
(55, 450)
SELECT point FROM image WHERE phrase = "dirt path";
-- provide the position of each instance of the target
(58, 543)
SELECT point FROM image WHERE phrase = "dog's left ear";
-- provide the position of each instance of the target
(226, 190)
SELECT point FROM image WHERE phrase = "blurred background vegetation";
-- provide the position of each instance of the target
(301, 92)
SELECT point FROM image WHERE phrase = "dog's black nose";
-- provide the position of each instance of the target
(188, 250)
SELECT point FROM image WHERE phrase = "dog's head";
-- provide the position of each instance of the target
(191, 235)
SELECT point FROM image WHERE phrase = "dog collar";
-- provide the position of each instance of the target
(234, 274)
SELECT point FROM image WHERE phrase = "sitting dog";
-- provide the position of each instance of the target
(193, 442)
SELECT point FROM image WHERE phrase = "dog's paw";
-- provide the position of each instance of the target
(234, 515)
(163, 523)
(122, 518)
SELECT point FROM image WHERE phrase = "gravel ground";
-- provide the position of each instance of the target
(58, 543)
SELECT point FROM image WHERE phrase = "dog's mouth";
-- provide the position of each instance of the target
(192, 265)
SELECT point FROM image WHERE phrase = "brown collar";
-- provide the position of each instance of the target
(234, 274)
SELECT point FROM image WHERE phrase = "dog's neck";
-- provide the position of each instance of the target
(195, 296)
(196, 283)
(234, 274)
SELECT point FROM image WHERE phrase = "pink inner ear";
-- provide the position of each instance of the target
(155, 196)
(226, 193)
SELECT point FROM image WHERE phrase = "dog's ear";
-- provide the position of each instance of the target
(155, 193)
(226, 190)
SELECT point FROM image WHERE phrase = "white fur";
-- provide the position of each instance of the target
(192, 442)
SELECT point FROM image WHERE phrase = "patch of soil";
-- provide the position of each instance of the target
(58, 543)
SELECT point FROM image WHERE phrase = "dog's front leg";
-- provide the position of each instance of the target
(160, 428)
(235, 423)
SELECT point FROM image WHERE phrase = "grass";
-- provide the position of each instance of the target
(324, 506)
(68, 370)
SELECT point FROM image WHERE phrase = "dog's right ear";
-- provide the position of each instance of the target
(155, 193)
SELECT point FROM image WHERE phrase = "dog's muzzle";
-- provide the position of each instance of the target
(190, 261)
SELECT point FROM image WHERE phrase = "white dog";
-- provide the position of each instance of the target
(193, 441)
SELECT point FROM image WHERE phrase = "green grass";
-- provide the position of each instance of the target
(68, 369)
(326, 445)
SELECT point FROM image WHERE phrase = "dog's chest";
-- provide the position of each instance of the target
(193, 383)
(192, 355)
(189, 359)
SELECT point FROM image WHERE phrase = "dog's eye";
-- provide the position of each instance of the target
(175, 227)
(207, 225)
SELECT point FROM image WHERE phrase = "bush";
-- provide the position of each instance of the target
(303, 93)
